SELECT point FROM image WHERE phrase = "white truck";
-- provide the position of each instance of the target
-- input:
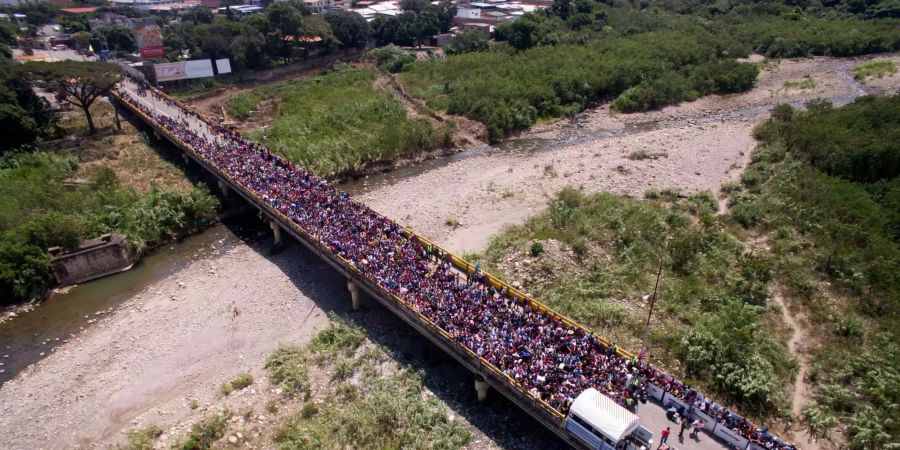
(602, 424)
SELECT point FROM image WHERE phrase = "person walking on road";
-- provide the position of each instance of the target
(697, 426)
(665, 436)
(684, 425)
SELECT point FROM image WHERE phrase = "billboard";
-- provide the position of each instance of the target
(223, 66)
(183, 70)
(149, 40)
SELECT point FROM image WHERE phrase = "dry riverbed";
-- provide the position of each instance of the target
(186, 334)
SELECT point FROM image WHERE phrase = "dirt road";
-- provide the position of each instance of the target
(188, 333)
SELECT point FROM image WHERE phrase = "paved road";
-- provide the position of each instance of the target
(653, 416)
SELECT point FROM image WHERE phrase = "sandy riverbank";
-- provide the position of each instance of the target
(201, 326)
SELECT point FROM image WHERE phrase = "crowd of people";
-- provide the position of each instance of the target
(551, 360)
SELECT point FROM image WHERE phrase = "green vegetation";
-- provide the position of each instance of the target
(815, 218)
(713, 298)
(38, 210)
(806, 83)
(561, 60)
(509, 91)
(288, 370)
(382, 407)
(391, 58)
(243, 380)
(825, 185)
(144, 438)
(642, 154)
(877, 68)
(451, 222)
(204, 433)
(336, 122)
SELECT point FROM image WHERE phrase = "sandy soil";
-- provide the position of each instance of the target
(188, 333)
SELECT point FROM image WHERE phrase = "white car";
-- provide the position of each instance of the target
(60, 47)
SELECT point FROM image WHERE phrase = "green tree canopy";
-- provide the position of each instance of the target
(349, 27)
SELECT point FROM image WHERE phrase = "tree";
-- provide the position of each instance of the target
(348, 27)
(199, 14)
(286, 20)
(113, 38)
(467, 41)
(386, 30)
(74, 23)
(8, 33)
(445, 11)
(416, 6)
(76, 82)
(317, 26)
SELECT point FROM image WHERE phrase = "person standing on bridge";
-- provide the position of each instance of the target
(684, 425)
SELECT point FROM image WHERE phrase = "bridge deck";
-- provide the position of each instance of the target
(652, 416)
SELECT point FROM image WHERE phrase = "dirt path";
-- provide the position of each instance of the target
(802, 390)
(467, 133)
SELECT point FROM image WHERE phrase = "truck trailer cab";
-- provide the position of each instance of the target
(602, 424)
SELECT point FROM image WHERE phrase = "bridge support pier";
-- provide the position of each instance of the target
(481, 388)
(276, 232)
(355, 295)
(186, 158)
(224, 187)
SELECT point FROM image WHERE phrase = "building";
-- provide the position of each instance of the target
(319, 6)
(139, 5)
(18, 19)
(491, 12)
(111, 19)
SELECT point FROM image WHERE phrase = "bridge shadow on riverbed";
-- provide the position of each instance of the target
(498, 418)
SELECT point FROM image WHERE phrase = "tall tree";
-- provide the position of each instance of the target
(76, 82)
(349, 27)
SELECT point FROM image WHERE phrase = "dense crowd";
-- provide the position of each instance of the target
(551, 360)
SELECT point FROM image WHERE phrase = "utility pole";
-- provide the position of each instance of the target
(652, 297)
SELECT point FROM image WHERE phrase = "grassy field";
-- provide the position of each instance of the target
(335, 122)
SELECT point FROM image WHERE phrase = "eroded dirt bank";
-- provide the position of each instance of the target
(186, 334)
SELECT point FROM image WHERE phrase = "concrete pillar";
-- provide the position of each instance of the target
(481, 387)
(354, 294)
(157, 135)
(276, 231)
(186, 158)
(224, 187)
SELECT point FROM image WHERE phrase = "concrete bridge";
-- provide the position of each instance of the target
(361, 286)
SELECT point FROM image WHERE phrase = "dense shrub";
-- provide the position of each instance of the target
(857, 142)
(391, 58)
